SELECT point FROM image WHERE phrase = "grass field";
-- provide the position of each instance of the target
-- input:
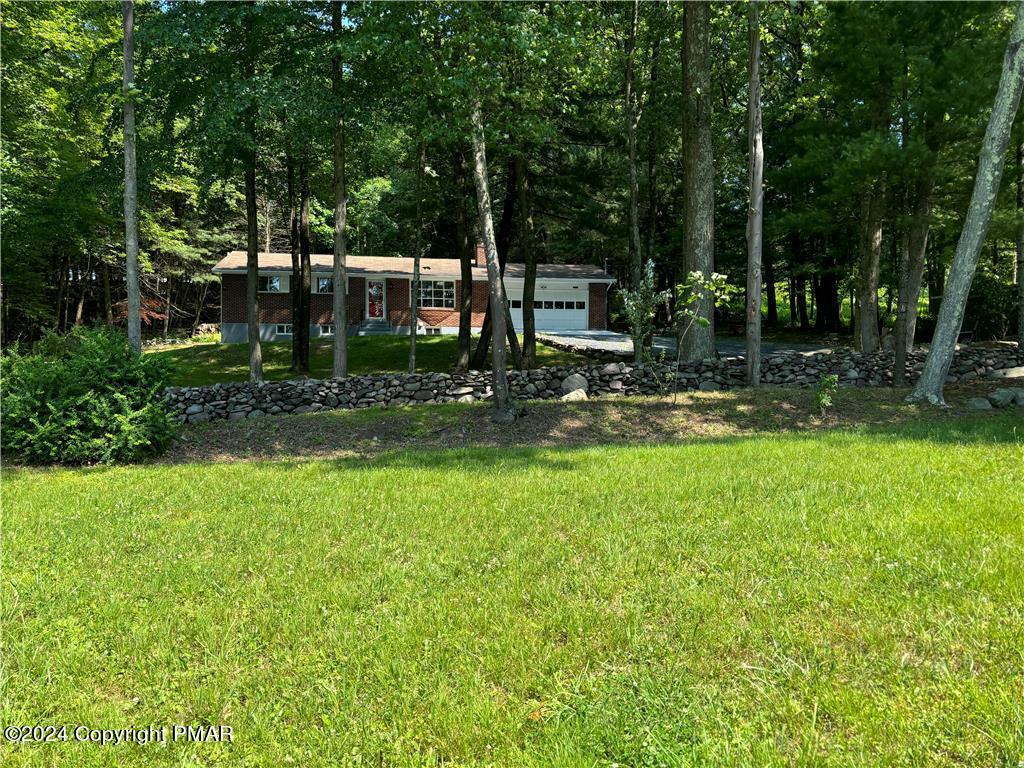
(197, 364)
(848, 597)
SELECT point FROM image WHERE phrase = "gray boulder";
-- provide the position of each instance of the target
(573, 382)
(574, 395)
(1001, 398)
(979, 404)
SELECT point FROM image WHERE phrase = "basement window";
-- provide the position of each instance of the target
(283, 329)
(326, 330)
(432, 331)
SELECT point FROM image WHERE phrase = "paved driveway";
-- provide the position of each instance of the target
(620, 343)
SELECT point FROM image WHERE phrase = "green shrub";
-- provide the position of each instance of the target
(83, 398)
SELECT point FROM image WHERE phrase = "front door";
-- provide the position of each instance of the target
(375, 299)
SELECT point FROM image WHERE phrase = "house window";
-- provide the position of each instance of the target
(272, 284)
(324, 285)
(437, 294)
(549, 305)
(581, 305)
(326, 330)
(283, 329)
(538, 305)
(432, 331)
(516, 304)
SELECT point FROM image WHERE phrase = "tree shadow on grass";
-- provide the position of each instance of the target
(365, 436)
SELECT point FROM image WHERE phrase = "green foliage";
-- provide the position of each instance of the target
(83, 398)
(991, 307)
(639, 306)
(827, 387)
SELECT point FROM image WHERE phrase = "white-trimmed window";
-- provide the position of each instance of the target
(283, 329)
(323, 285)
(273, 283)
(432, 331)
(326, 330)
(437, 294)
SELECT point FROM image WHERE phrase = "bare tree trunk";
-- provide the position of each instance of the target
(340, 273)
(503, 242)
(530, 260)
(870, 263)
(266, 215)
(755, 210)
(1020, 245)
(108, 306)
(305, 276)
(200, 303)
(698, 172)
(632, 117)
(167, 314)
(414, 289)
(131, 216)
(467, 249)
(652, 141)
(979, 216)
(80, 304)
(504, 410)
(293, 247)
(252, 262)
(911, 274)
(771, 317)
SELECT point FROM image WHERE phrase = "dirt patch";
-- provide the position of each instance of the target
(695, 415)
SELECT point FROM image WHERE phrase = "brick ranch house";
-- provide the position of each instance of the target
(568, 296)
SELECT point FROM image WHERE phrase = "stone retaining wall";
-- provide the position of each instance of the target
(244, 400)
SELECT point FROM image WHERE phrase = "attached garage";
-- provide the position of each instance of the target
(557, 306)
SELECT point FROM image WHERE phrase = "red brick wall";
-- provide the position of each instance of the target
(597, 307)
(356, 300)
(277, 307)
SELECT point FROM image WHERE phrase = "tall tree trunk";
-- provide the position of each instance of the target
(801, 304)
(652, 141)
(252, 259)
(911, 274)
(632, 116)
(466, 245)
(979, 216)
(296, 276)
(200, 303)
(131, 216)
(108, 305)
(82, 290)
(167, 313)
(868, 270)
(529, 259)
(771, 318)
(266, 215)
(755, 208)
(698, 172)
(305, 276)
(340, 273)
(414, 289)
(503, 242)
(504, 410)
(1020, 245)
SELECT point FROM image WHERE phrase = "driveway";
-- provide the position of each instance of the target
(620, 343)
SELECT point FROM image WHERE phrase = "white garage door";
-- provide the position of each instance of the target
(554, 310)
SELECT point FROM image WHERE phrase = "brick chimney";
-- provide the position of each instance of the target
(481, 259)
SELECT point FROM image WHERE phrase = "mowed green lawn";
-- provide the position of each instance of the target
(847, 598)
(197, 364)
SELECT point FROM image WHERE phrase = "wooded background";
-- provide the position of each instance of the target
(873, 115)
